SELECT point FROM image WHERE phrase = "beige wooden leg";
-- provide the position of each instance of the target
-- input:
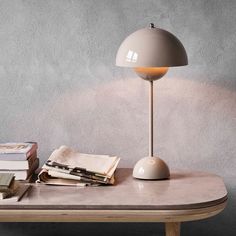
(172, 228)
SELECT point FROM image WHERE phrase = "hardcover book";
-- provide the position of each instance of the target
(23, 174)
(18, 165)
(17, 151)
(5, 180)
(14, 190)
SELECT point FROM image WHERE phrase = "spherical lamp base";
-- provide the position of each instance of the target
(151, 168)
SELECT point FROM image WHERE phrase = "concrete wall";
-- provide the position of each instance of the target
(59, 85)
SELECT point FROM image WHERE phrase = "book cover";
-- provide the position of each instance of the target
(11, 191)
(5, 180)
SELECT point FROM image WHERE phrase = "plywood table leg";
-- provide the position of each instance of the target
(172, 228)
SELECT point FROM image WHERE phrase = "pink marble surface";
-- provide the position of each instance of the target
(184, 190)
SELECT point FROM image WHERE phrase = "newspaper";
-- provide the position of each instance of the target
(78, 168)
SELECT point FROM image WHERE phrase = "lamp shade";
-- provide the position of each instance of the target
(151, 47)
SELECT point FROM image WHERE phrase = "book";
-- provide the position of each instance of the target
(17, 151)
(23, 174)
(5, 180)
(11, 190)
(16, 191)
(8, 189)
(18, 165)
(19, 174)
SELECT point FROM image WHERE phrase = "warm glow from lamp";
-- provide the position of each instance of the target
(151, 73)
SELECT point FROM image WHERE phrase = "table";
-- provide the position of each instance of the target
(186, 196)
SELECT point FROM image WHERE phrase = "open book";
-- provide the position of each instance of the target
(78, 168)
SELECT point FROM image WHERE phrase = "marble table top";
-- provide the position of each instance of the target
(184, 190)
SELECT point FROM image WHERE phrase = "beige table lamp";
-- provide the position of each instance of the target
(150, 51)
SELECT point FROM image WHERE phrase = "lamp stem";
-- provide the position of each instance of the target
(151, 119)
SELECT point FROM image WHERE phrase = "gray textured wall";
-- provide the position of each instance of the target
(59, 85)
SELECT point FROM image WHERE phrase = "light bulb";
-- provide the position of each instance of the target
(151, 73)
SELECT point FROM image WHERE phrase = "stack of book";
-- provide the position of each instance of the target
(19, 159)
(68, 167)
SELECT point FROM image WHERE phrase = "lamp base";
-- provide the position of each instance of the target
(151, 168)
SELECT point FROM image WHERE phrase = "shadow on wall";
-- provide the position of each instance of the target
(113, 119)
(195, 127)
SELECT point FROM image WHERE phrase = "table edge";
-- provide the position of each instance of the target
(60, 215)
(11, 206)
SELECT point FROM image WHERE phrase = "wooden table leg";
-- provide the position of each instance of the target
(172, 228)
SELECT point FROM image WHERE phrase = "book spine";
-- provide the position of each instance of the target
(32, 150)
(31, 160)
(33, 168)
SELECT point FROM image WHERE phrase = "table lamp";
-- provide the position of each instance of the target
(151, 51)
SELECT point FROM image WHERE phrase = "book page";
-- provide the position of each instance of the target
(15, 147)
